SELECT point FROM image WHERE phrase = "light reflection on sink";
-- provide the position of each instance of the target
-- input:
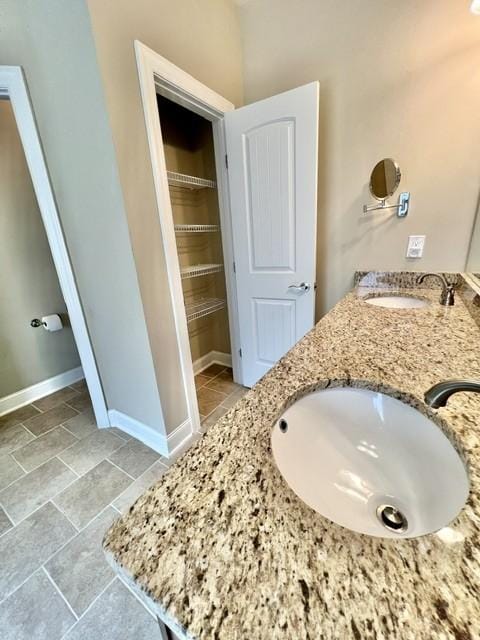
(370, 463)
(397, 302)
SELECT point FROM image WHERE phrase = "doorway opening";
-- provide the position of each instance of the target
(41, 378)
(71, 345)
(188, 146)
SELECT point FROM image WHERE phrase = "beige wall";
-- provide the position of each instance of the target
(53, 42)
(203, 39)
(398, 79)
(28, 282)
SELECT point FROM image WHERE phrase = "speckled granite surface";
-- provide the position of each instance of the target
(401, 279)
(225, 550)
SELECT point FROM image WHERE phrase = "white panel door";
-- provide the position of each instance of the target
(272, 166)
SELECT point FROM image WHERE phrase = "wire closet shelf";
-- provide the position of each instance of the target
(176, 179)
(195, 228)
(197, 270)
(203, 307)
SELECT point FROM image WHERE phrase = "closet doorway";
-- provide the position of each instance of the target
(192, 179)
(237, 200)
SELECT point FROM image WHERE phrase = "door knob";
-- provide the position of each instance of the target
(303, 287)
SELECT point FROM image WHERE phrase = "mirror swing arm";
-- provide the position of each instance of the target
(402, 206)
(384, 181)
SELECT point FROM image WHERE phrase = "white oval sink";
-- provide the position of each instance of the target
(370, 463)
(397, 302)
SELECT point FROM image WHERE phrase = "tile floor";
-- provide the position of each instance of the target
(216, 393)
(62, 482)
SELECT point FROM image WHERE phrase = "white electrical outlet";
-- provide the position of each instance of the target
(415, 246)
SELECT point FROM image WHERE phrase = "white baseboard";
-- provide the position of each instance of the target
(149, 436)
(159, 442)
(39, 390)
(179, 438)
(212, 357)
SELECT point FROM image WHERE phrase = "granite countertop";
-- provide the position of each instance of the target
(223, 549)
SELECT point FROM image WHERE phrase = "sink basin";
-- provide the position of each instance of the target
(370, 463)
(397, 302)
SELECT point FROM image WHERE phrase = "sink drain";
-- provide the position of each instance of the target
(391, 518)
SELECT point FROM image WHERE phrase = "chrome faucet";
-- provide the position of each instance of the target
(438, 395)
(447, 297)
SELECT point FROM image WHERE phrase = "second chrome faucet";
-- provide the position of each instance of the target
(447, 297)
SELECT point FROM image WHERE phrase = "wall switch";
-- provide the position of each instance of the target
(415, 246)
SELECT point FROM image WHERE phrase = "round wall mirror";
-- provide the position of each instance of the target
(385, 179)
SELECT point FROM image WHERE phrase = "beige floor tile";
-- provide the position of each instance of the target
(213, 417)
(32, 607)
(52, 418)
(88, 452)
(81, 401)
(43, 448)
(121, 434)
(224, 384)
(201, 380)
(15, 417)
(10, 470)
(82, 425)
(48, 402)
(90, 494)
(208, 400)
(234, 397)
(116, 615)
(27, 546)
(134, 457)
(5, 522)
(81, 385)
(226, 374)
(80, 569)
(35, 611)
(213, 370)
(33, 489)
(13, 437)
(141, 484)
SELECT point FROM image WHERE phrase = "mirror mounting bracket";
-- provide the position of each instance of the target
(401, 207)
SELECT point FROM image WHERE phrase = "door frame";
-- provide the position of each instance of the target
(159, 75)
(13, 86)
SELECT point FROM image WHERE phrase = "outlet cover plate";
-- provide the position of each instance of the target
(415, 246)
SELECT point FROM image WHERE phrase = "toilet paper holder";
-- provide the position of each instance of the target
(36, 322)
(51, 322)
